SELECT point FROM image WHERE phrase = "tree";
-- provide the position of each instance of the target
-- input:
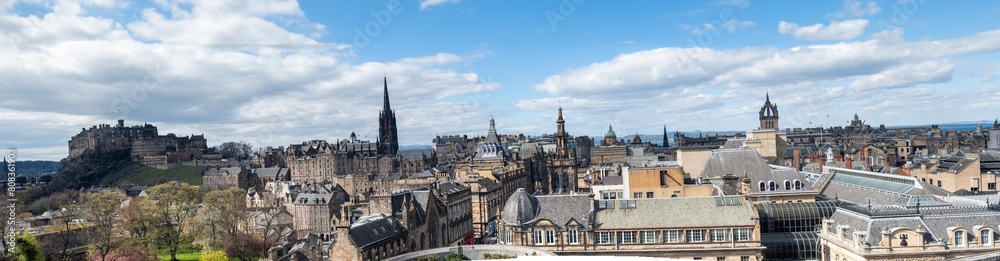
(126, 253)
(237, 150)
(175, 204)
(139, 221)
(28, 248)
(223, 215)
(101, 209)
(243, 246)
(214, 256)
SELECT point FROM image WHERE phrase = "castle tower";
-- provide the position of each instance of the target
(560, 135)
(768, 114)
(387, 136)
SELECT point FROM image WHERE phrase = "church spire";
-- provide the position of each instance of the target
(388, 137)
(560, 136)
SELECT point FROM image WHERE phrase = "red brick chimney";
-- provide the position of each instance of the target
(864, 158)
(885, 164)
(848, 162)
(796, 160)
(821, 164)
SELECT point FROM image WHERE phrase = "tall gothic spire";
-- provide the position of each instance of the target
(388, 137)
(666, 142)
(561, 143)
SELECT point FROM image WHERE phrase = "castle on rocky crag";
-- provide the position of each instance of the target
(144, 142)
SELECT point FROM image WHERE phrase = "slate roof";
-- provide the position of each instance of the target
(613, 180)
(271, 172)
(739, 161)
(220, 171)
(675, 213)
(559, 209)
(415, 154)
(373, 229)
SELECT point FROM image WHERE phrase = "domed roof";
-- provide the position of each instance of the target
(520, 205)
(611, 132)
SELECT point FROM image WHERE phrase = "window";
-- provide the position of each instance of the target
(695, 236)
(991, 186)
(721, 258)
(603, 238)
(788, 185)
(663, 178)
(550, 237)
(771, 186)
(649, 237)
(626, 237)
(762, 186)
(798, 185)
(744, 258)
(697, 258)
(671, 236)
(960, 238)
(649, 194)
(939, 183)
(637, 195)
(537, 237)
(743, 234)
(719, 235)
(986, 236)
(573, 237)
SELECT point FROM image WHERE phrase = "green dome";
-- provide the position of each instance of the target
(611, 132)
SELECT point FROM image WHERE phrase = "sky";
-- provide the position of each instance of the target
(278, 72)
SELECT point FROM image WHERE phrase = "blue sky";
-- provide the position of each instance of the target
(274, 72)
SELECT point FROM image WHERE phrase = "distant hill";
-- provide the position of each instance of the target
(31, 168)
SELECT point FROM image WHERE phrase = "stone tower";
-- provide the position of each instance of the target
(561, 136)
(388, 138)
(768, 115)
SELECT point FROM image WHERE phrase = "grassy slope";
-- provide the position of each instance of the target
(135, 173)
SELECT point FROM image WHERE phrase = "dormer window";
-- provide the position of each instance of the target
(772, 186)
(762, 186)
(986, 236)
(788, 185)
(798, 185)
(960, 238)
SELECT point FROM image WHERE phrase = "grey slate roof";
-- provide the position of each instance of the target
(675, 213)
(373, 229)
(739, 161)
(559, 209)
(270, 172)
(220, 171)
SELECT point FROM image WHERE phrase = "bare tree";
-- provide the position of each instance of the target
(139, 221)
(236, 150)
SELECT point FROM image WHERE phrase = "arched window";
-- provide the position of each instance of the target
(798, 185)
(771, 185)
(762, 186)
(788, 185)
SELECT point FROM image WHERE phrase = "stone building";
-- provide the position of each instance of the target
(896, 232)
(666, 181)
(578, 225)
(142, 141)
(221, 178)
(760, 181)
(375, 237)
(562, 167)
(769, 115)
(958, 172)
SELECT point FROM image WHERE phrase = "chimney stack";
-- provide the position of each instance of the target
(796, 160)
(848, 162)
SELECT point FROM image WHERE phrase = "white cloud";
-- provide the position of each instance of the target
(696, 88)
(907, 75)
(224, 69)
(854, 8)
(428, 3)
(837, 30)
(729, 26)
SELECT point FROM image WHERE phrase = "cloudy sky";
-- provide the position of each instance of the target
(274, 72)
